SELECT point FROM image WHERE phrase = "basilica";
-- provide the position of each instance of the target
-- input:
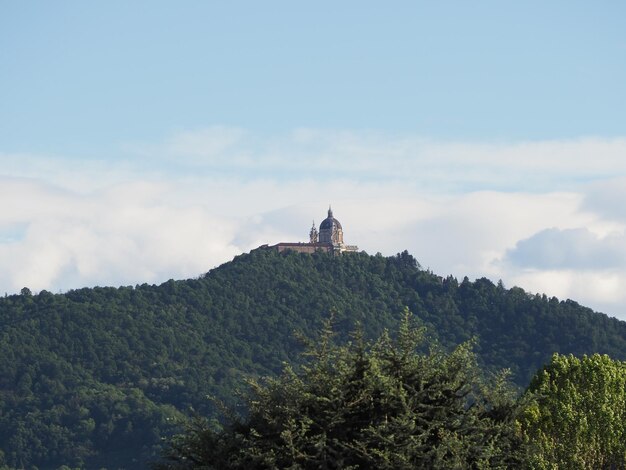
(328, 239)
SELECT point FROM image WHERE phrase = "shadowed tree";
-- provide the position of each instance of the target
(391, 404)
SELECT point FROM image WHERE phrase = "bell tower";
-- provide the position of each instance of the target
(313, 234)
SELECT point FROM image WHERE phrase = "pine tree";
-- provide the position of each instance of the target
(391, 404)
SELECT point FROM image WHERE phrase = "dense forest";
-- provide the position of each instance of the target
(94, 377)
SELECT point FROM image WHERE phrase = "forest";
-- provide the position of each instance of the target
(96, 377)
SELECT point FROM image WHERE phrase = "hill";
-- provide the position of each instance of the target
(94, 377)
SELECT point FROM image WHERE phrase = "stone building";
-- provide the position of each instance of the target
(329, 239)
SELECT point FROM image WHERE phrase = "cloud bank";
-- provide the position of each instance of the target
(569, 249)
(544, 215)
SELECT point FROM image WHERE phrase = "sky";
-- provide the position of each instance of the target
(142, 141)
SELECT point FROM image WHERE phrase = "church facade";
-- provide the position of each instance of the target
(328, 239)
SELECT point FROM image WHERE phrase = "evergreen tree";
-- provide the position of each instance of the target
(386, 405)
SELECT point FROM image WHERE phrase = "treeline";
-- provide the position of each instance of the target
(91, 378)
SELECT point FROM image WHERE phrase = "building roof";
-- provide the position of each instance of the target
(327, 223)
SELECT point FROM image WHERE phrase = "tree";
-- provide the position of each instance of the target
(386, 405)
(579, 417)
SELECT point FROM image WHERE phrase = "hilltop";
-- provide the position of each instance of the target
(95, 376)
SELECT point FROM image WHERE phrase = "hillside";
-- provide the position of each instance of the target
(94, 376)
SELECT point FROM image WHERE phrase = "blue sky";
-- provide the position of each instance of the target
(146, 140)
(77, 74)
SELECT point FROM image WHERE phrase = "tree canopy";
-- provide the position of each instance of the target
(579, 417)
(383, 405)
(93, 377)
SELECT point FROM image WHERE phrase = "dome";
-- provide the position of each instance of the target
(331, 230)
(329, 222)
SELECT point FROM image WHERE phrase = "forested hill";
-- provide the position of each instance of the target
(92, 378)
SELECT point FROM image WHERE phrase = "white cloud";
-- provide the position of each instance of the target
(601, 289)
(371, 155)
(606, 197)
(543, 215)
(126, 234)
(569, 249)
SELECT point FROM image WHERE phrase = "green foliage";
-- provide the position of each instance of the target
(579, 418)
(93, 377)
(382, 405)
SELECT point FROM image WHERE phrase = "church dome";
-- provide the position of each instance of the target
(329, 222)
(330, 230)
